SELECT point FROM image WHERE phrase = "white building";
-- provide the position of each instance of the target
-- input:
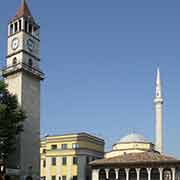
(135, 158)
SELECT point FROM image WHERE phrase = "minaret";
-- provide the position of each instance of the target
(23, 76)
(159, 114)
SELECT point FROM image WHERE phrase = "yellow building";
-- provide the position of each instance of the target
(66, 157)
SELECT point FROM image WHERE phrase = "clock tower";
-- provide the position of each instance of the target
(23, 76)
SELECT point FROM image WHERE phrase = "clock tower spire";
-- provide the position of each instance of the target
(23, 76)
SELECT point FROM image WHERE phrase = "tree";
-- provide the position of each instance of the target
(11, 122)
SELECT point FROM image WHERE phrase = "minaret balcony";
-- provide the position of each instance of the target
(158, 100)
(25, 68)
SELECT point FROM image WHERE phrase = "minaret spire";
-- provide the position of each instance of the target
(158, 85)
(159, 113)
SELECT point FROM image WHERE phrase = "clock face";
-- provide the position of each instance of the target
(15, 43)
(30, 44)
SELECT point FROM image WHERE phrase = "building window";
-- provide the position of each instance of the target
(30, 63)
(44, 163)
(75, 146)
(44, 150)
(64, 146)
(74, 177)
(54, 146)
(53, 177)
(43, 178)
(93, 158)
(15, 61)
(63, 177)
(75, 160)
(64, 161)
(53, 161)
(87, 159)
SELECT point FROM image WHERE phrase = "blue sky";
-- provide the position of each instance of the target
(100, 59)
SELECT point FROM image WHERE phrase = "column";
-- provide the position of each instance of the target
(22, 24)
(58, 168)
(107, 173)
(9, 29)
(161, 173)
(95, 174)
(149, 173)
(173, 173)
(48, 167)
(138, 173)
(127, 173)
(117, 172)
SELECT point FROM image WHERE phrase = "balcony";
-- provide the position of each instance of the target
(23, 67)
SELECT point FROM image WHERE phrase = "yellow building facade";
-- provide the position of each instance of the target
(66, 157)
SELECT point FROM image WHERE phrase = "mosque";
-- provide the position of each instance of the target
(135, 158)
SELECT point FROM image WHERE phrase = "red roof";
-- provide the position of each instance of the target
(142, 157)
(23, 11)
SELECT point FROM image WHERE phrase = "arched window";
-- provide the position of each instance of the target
(15, 61)
(30, 63)
(132, 174)
(29, 178)
(112, 174)
(155, 174)
(143, 174)
(167, 174)
(122, 174)
(102, 174)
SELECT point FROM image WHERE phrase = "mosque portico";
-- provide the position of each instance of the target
(139, 161)
(144, 171)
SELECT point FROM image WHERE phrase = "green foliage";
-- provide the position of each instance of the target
(11, 122)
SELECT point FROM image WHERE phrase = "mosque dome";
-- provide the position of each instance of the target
(132, 143)
(133, 138)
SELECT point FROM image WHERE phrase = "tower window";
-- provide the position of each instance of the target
(30, 28)
(15, 27)
(20, 25)
(25, 25)
(30, 63)
(15, 61)
(11, 29)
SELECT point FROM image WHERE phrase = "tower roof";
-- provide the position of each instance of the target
(23, 11)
